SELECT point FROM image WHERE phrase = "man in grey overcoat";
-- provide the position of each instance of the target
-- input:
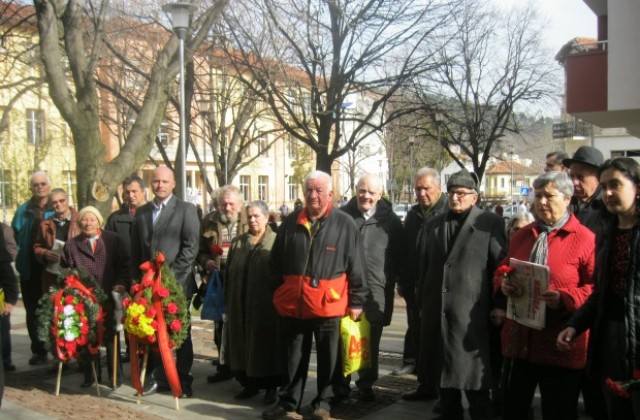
(463, 249)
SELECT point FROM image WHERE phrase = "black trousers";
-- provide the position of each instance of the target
(297, 335)
(1, 365)
(479, 404)
(559, 390)
(5, 338)
(31, 293)
(412, 335)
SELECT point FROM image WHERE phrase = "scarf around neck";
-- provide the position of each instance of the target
(541, 247)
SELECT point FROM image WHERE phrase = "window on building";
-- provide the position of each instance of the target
(4, 134)
(626, 153)
(35, 126)
(502, 183)
(262, 146)
(263, 188)
(292, 148)
(245, 187)
(292, 189)
(5, 189)
(163, 133)
(70, 185)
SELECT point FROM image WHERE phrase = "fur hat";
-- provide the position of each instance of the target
(463, 179)
(92, 210)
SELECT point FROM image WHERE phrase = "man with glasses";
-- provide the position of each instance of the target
(462, 249)
(52, 234)
(431, 202)
(25, 226)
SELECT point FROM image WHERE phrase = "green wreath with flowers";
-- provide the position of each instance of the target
(141, 314)
(71, 317)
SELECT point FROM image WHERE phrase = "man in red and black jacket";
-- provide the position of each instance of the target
(319, 277)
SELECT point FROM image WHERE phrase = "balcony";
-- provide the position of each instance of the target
(586, 82)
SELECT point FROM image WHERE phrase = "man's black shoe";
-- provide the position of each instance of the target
(37, 359)
(187, 392)
(219, 377)
(150, 389)
(419, 395)
(404, 370)
(366, 395)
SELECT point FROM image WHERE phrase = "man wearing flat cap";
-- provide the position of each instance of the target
(463, 247)
(586, 203)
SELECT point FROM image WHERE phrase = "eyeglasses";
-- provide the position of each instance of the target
(39, 184)
(460, 194)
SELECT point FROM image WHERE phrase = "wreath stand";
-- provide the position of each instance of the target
(95, 377)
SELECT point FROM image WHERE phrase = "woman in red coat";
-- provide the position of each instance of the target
(560, 242)
(103, 255)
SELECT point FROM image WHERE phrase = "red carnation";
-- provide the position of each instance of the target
(135, 320)
(504, 271)
(135, 288)
(172, 308)
(60, 342)
(70, 346)
(84, 329)
(151, 338)
(143, 301)
(82, 340)
(163, 292)
(616, 388)
(126, 302)
(216, 249)
(150, 312)
(147, 282)
(68, 300)
(154, 324)
(175, 325)
(80, 307)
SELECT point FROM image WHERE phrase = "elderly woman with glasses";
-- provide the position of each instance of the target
(612, 311)
(251, 317)
(558, 241)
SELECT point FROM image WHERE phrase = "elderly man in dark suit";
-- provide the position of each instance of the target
(168, 225)
(462, 250)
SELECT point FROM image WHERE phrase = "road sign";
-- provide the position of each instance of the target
(525, 191)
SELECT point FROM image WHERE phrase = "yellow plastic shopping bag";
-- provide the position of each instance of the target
(356, 336)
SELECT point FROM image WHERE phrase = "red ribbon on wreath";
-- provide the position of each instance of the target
(153, 270)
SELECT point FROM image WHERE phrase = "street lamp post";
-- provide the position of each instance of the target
(412, 140)
(438, 118)
(179, 15)
(204, 107)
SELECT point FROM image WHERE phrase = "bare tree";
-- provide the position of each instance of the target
(80, 41)
(235, 118)
(309, 57)
(493, 65)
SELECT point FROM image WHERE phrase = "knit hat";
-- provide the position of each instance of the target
(94, 211)
(463, 179)
(586, 155)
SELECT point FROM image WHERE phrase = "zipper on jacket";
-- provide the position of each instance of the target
(313, 231)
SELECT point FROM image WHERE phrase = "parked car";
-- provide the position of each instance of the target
(510, 211)
(401, 210)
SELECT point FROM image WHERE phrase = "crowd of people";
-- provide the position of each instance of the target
(288, 285)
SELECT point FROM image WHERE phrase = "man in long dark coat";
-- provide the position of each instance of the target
(463, 249)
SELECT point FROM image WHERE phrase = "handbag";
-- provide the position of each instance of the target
(356, 347)
(213, 307)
